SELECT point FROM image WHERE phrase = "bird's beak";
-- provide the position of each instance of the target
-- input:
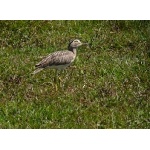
(85, 43)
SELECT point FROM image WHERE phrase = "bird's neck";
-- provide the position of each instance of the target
(73, 49)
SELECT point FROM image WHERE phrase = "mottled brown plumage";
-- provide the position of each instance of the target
(59, 59)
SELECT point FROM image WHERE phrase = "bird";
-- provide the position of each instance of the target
(60, 60)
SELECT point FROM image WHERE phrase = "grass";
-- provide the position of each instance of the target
(108, 86)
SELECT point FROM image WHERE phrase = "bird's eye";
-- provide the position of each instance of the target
(76, 41)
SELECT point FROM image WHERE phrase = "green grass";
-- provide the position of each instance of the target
(108, 86)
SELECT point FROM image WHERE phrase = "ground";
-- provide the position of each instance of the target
(108, 85)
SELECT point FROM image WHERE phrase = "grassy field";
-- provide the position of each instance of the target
(108, 86)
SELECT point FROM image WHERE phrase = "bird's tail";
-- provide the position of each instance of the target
(37, 70)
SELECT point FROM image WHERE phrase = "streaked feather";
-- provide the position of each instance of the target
(57, 58)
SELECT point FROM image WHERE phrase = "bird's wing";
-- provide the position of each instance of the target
(57, 58)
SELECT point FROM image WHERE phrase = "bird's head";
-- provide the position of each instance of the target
(75, 43)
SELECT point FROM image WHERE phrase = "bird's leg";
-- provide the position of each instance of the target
(59, 78)
(55, 80)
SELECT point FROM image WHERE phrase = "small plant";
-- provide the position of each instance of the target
(107, 87)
